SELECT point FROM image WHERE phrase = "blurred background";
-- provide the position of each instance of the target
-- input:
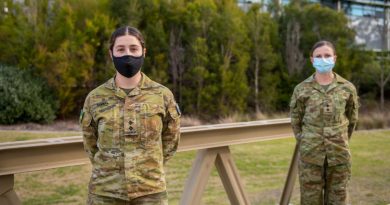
(225, 61)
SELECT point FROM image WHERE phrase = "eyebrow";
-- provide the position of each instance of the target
(132, 45)
(324, 55)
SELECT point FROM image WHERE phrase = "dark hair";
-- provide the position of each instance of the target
(323, 43)
(126, 30)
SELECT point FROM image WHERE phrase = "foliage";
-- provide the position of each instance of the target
(216, 58)
(24, 97)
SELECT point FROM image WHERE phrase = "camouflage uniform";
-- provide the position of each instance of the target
(128, 138)
(323, 122)
(152, 199)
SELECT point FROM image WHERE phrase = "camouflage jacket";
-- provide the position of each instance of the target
(323, 120)
(128, 138)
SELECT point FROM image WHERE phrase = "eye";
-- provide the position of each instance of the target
(318, 56)
(328, 55)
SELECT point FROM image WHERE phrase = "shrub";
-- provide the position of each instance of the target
(24, 97)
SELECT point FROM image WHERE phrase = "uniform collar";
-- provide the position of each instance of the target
(145, 83)
(337, 80)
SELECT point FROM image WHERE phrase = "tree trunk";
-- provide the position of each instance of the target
(294, 57)
(198, 99)
(175, 60)
(257, 84)
(382, 88)
(385, 47)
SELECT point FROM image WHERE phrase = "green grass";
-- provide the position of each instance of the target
(262, 166)
(10, 136)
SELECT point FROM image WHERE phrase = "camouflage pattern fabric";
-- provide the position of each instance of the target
(129, 137)
(152, 199)
(323, 120)
(324, 184)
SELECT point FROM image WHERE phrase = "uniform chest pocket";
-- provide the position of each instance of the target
(151, 124)
(340, 101)
(313, 105)
(108, 128)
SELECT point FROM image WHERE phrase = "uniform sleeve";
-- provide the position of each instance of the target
(171, 130)
(352, 109)
(89, 129)
(297, 109)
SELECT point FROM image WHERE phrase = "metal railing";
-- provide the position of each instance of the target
(211, 141)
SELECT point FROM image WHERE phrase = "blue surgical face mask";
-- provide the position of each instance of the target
(323, 65)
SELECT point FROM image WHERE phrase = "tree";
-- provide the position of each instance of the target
(231, 57)
(384, 59)
(126, 12)
(291, 22)
(210, 53)
(261, 30)
(197, 90)
(64, 42)
(17, 36)
(152, 26)
(175, 27)
(379, 72)
(313, 23)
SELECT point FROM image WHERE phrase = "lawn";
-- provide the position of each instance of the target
(11, 135)
(262, 166)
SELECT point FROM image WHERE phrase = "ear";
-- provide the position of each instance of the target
(144, 52)
(335, 57)
(311, 60)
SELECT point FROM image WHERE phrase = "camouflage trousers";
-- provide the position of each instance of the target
(152, 199)
(324, 185)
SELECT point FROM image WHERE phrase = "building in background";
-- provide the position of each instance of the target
(369, 18)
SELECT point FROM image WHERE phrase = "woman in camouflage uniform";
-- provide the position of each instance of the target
(131, 128)
(324, 112)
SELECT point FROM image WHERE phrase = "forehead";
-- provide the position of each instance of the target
(126, 40)
(323, 49)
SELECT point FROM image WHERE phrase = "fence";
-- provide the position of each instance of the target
(211, 141)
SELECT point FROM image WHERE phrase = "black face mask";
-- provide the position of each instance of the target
(127, 65)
